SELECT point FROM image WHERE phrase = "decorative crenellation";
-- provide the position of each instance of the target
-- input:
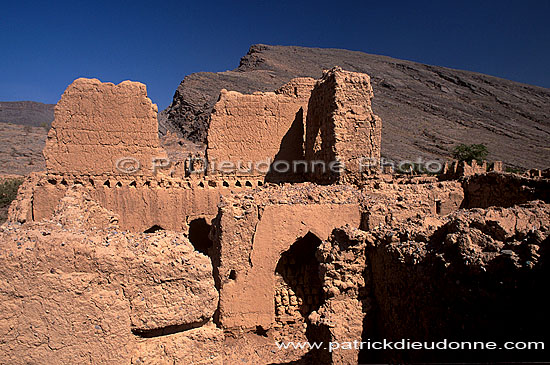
(143, 181)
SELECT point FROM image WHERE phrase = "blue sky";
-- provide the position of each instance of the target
(44, 46)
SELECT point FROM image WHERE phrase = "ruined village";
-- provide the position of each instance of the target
(122, 251)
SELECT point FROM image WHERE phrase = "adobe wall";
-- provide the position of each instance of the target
(503, 190)
(252, 231)
(431, 278)
(340, 319)
(96, 124)
(259, 127)
(93, 294)
(457, 169)
(477, 274)
(386, 203)
(140, 201)
(341, 125)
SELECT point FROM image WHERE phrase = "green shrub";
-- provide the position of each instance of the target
(46, 126)
(468, 153)
(8, 192)
(514, 170)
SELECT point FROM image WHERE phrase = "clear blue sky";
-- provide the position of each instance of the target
(45, 45)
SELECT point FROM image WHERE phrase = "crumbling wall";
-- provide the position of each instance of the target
(251, 233)
(341, 126)
(21, 209)
(78, 287)
(341, 318)
(75, 293)
(102, 128)
(474, 276)
(458, 169)
(258, 129)
(503, 190)
(298, 289)
(386, 203)
(96, 124)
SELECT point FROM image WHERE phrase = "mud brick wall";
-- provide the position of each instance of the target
(504, 190)
(141, 202)
(259, 127)
(341, 125)
(96, 124)
(253, 231)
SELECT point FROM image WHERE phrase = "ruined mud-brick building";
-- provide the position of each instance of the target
(117, 254)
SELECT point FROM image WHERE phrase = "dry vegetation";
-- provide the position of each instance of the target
(8, 192)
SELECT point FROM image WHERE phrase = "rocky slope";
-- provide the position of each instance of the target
(425, 110)
(21, 149)
(23, 129)
(26, 113)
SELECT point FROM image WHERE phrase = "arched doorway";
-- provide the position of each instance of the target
(298, 288)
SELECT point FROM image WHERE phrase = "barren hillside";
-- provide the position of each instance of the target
(26, 113)
(23, 131)
(426, 110)
(21, 149)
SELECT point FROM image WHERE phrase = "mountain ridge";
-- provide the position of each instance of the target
(26, 112)
(426, 110)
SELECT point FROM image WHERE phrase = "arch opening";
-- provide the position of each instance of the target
(298, 287)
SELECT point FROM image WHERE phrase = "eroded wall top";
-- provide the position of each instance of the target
(98, 124)
(341, 125)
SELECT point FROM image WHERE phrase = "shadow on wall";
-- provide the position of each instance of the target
(320, 139)
(153, 229)
(503, 190)
(428, 301)
(291, 149)
(199, 231)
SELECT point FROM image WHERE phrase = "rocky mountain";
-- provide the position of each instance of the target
(26, 113)
(425, 110)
